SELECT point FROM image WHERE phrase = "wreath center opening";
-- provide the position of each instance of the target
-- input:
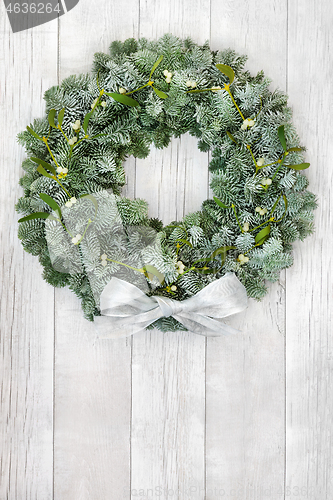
(174, 180)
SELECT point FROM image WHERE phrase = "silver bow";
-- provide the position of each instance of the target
(127, 310)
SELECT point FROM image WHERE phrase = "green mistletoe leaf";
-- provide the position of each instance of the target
(155, 66)
(51, 117)
(37, 215)
(275, 205)
(294, 149)
(231, 137)
(206, 270)
(282, 137)
(223, 252)
(86, 121)
(263, 235)
(51, 203)
(42, 171)
(300, 166)
(32, 132)
(226, 70)
(160, 94)
(186, 242)
(124, 99)
(44, 164)
(219, 202)
(152, 270)
(61, 116)
(91, 198)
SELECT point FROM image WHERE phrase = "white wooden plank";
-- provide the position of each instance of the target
(92, 378)
(309, 282)
(92, 410)
(245, 389)
(245, 426)
(168, 368)
(168, 415)
(28, 62)
(245, 406)
(257, 29)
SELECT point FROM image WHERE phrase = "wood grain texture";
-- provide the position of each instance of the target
(247, 417)
(168, 415)
(92, 377)
(309, 282)
(26, 312)
(92, 409)
(168, 380)
(245, 402)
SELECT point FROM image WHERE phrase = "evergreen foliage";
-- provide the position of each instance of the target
(207, 243)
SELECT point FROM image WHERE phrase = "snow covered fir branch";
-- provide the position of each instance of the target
(143, 93)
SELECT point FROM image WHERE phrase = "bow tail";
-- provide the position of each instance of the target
(124, 326)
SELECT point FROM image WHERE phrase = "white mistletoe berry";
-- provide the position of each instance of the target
(191, 84)
(180, 267)
(103, 104)
(104, 259)
(76, 240)
(76, 125)
(246, 227)
(247, 123)
(242, 259)
(173, 288)
(261, 162)
(266, 182)
(71, 201)
(94, 102)
(122, 90)
(168, 75)
(72, 141)
(261, 211)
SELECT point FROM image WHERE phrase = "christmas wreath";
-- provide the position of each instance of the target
(144, 93)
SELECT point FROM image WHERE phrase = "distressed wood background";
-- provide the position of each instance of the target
(170, 415)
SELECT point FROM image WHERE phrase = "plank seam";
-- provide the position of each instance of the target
(131, 412)
(54, 309)
(285, 295)
(205, 424)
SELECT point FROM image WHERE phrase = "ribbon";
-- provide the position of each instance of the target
(127, 310)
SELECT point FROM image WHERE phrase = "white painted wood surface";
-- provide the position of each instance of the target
(169, 415)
